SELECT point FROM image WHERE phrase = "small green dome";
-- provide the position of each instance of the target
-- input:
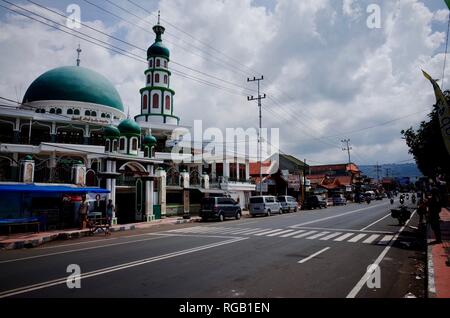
(158, 49)
(74, 83)
(111, 131)
(129, 126)
(149, 140)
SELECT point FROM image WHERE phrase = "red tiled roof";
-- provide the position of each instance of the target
(254, 168)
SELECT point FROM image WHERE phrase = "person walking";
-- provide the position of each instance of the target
(83, 212)
(434, 208)
(110, 208)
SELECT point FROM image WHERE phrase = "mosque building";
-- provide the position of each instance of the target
(71, 135)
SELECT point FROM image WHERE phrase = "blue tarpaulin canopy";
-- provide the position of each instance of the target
(34, 188)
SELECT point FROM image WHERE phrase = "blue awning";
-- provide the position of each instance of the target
(34, 188)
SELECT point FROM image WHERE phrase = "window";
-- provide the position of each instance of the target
(122, 144)
(42, 111)
(219, 169)
(87, 113)
(114, 147)
(165, 64)
(165, 79)
(232, 168)
(242, 174)
(155, 101)
(59, 111)
(150, 63)
(94, 114)
(52, 110)
(156, 78)
(147, 152)
(158, 63)
(256, 200)
(134, 144)
(107, 144)
(76, 112)
(103, 115)
(69, 111)
(38, 110)
(167, 103)
(148, 79)
(144, 102)
(109, 116)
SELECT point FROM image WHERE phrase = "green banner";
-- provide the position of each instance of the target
(443, 111)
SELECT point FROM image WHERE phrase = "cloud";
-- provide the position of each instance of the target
(325, 72)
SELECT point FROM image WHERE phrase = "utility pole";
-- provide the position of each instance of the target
(387, 172)
(304, 180)
(259, 98)
(347, 148)
(378, 170)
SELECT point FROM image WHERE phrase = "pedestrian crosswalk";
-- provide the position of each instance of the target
(348, 236)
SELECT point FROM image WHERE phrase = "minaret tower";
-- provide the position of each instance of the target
(156, 96)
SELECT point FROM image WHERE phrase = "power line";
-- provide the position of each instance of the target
(118, 50)
(191, 36)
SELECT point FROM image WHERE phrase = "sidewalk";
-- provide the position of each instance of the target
(439, 260)
(22, 240)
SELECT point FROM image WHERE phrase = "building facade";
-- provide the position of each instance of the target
(71, 129)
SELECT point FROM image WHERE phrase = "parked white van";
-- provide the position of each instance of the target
(266, 204)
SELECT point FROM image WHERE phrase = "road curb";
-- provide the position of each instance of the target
(69, 235)
(431, 285)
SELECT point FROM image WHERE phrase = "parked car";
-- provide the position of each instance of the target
(288, 203)
(339, 199)
(219, 208)
(266, 205)
(314, 202)
(379, 196)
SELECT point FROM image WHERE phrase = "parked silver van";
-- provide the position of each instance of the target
(266, 205)
(288, 203)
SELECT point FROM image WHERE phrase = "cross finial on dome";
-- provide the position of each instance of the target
(128, 115)
(78, 55)
(159, 16)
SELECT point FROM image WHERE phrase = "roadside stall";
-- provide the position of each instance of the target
(39, 207)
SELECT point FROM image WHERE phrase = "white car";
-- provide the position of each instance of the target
(288, 203)
(266, 205)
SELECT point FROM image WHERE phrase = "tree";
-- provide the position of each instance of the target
(427, 146)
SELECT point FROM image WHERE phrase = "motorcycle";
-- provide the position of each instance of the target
(402, 214)
(402, 201)
(392, 201)
(413, 199)
(368, 200)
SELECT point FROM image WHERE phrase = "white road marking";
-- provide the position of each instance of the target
(78, 250)
(343, 237)
(371, 238)
(293, 233)
(335, 229)
(241, 231)
(278, 233)
(256, 231)
(356, 238)
(106, 270)
(326, 238)
(313, 255)
(373, 223)
(385, 240)
(267, 232)
(317, 235)
(338, 215)
(305, 234)
(354, 292)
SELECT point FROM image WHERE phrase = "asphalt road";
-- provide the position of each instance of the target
(318, 253)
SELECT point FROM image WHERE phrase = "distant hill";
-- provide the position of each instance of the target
(395, 170)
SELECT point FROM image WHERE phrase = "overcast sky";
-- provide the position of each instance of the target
(328, 76)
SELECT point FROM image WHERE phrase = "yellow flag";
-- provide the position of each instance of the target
(443, 111)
